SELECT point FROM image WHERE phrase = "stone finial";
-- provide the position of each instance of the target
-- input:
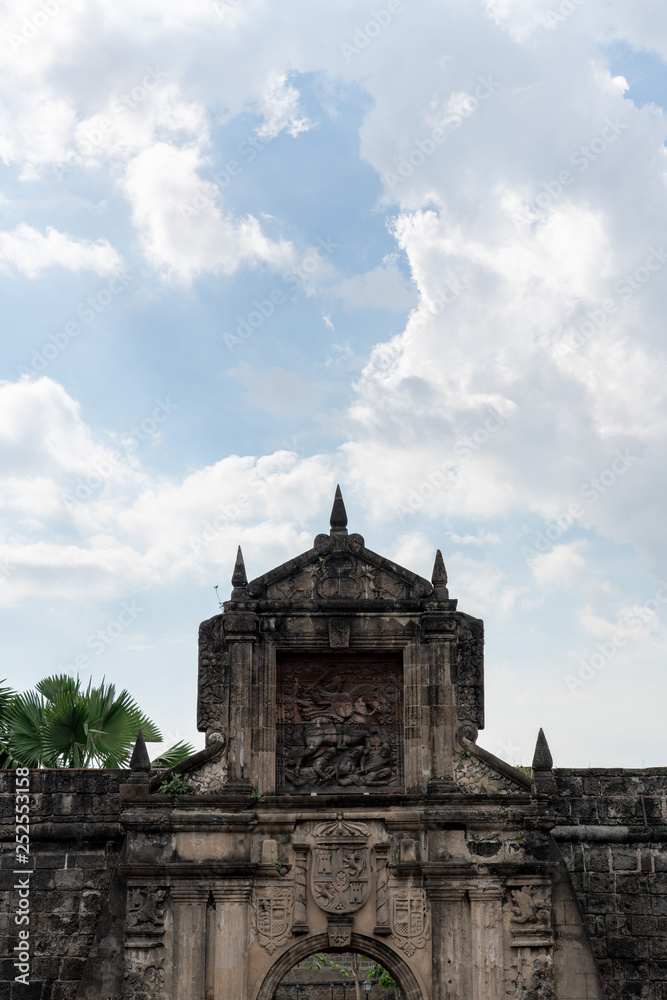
(439, 577)
(542, 759)
(338, 519)
(140, 762)
(239, 578)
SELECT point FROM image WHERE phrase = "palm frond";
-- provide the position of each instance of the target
(174, 755)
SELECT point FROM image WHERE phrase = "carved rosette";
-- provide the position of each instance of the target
(271, 915)
(144, 942)
(409, 919)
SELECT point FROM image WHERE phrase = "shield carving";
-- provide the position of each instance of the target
(272, 916)
(340, 876)
(409, 919)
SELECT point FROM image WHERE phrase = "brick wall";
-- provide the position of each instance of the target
(75, 840)
(613, 838)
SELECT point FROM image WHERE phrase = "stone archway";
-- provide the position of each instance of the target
(377, 950)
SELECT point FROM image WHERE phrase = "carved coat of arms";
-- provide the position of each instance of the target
(409, 919)
(271, 915)
(340, 875)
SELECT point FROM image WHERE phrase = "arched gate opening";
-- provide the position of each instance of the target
(377, 950)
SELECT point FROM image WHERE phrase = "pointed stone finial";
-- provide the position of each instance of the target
(338, 519)
(239, 578)
(439, 577)
(542, 759)
(439, 574)
(140, 762)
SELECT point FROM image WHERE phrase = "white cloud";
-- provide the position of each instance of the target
(30, 252)
(564, 566)
(280, 106)
(183, 230)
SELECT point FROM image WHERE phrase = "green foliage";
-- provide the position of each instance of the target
(464, 753)
(217, 595)
(256, 796)
(383, 977)
(175, 755)
(177, 786)
(62, 725)
(524, 770)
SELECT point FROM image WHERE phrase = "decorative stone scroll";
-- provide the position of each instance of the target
(469, 671)
(271, 915)
(477, 778)
(409, 917)
(339, 723)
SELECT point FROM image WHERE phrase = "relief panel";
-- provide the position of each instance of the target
(340, 723)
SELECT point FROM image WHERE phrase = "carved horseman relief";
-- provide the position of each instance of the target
(340, 723)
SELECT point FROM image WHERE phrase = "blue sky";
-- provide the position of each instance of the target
(247, 253)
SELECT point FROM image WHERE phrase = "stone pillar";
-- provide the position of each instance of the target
(382, 926)
(486, 918)
(438, 633)
(240, 629)
(300, 925)
(448, 937)
(232, 899)
(189, 903)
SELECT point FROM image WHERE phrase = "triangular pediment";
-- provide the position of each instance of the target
(339, 567)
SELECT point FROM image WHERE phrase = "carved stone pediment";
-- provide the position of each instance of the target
(339, 568)
(476, 777)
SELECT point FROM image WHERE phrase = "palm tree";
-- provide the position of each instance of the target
(61, 725)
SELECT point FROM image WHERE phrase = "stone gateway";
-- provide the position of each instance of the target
(342, 803)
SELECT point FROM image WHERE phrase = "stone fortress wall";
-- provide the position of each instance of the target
(611, 832)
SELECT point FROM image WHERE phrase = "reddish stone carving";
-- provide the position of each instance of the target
(339, 723)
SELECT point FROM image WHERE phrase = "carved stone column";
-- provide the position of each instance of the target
(438, 631)
(300, 925)
(450, 979)
(240, 629)
(144, 942)
(382, 889)
(486, 918)
(232, 900)
(189, 903)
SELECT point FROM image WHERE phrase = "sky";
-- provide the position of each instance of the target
(250, 250)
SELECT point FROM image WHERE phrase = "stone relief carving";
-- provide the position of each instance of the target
(210, 777)
(340, 724)
(144, 951)
(340, 876)
(531, 905)
(271, 915)
(470, 672)
(341, 574)
(476, 778)
(146, 909)
(530, 974)
(409, 919)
